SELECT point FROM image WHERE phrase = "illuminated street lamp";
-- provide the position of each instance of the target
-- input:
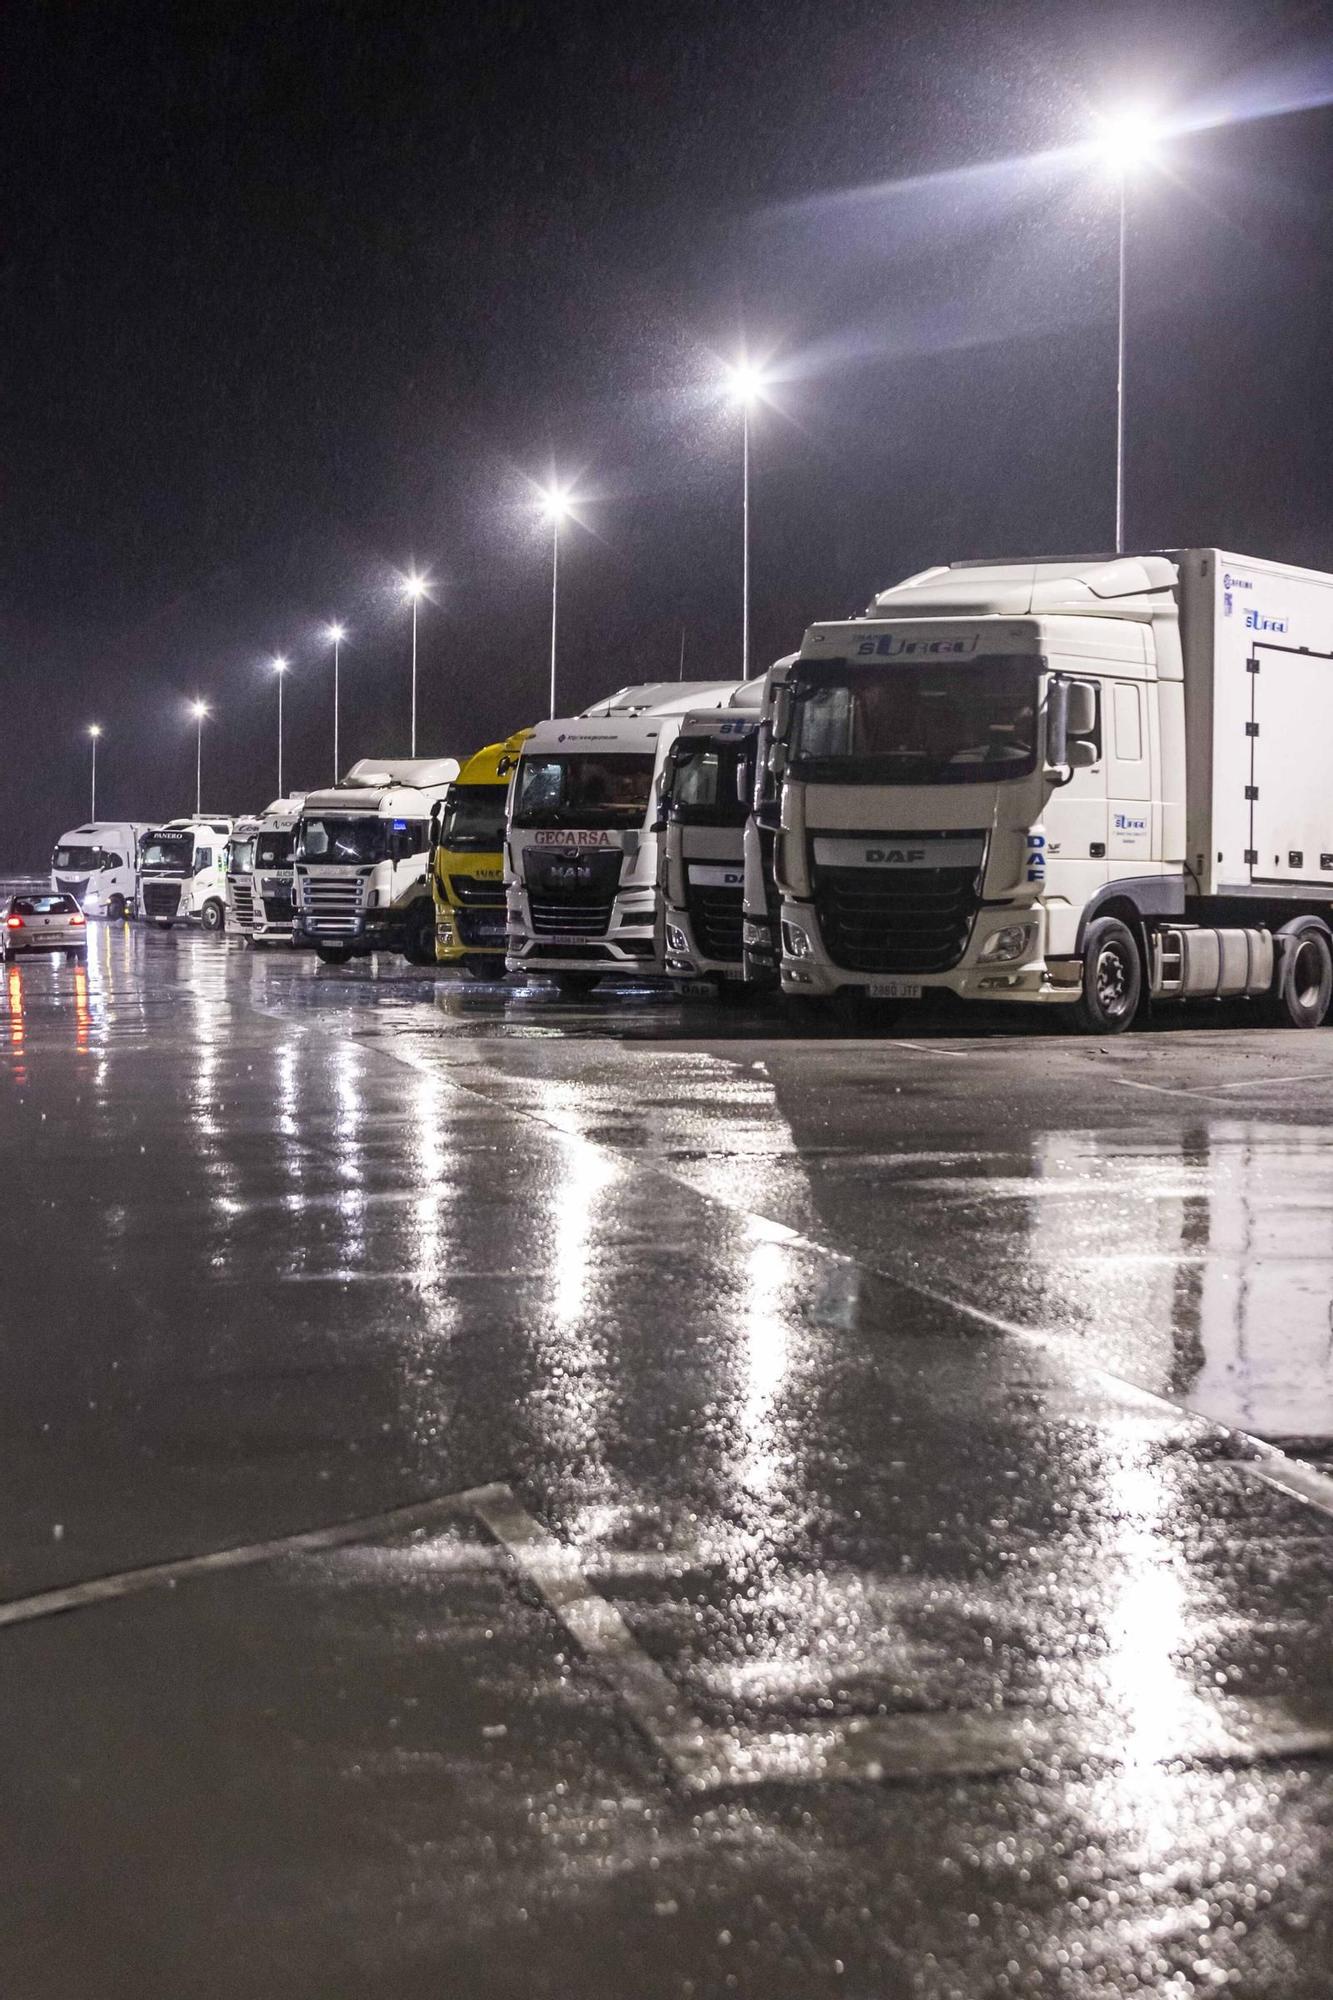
(1125, 140)
(555, 508)
(336, 633)
(280, 666)
(414, 589)
(94, 731)
(198, 709)
(746, 383)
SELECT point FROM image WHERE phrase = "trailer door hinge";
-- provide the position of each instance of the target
(1251, 791)
(1251, 666)
(1252, 856)
(1251, 729)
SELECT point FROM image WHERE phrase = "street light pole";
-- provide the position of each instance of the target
(745, 539)
(555, 601)
(414, 589)
(280, 669)
(94, 731)
(198, 709)
(337, 633)
(1120, 371)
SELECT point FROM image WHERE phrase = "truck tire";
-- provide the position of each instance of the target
(419, 944)
(333, 954)
(212, 916)
(1304, 983)
(164, 923)
(489, 969)
(1112, 979)
(575, 985)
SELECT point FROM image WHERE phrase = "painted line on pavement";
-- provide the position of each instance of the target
(154, 1576)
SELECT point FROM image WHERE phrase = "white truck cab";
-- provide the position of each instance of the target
(97, 864)
(706, 793)
(362, 859)
(182, 871)
(260, 872)
(581, 839)
(1080, 783)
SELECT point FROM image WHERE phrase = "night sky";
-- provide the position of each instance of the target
(295, 297)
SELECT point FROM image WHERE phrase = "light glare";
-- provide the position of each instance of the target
(414, 587)
(280, 665)
(746, 381)
(556, 504)
(337, 633)
(94, 728)
(1128, 138)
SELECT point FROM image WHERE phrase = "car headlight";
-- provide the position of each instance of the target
(1014, 941)
(796, 942)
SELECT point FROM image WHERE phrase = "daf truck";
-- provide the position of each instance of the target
(260, 872)
(1084, 784)
(581, 847)
(760, 941)
(707, 788)
(97, 864)
(182, 871)
(362, 856)
(467, 862)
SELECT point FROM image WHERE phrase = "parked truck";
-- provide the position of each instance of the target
(581, 849)
(467, 862)
(362, 856)
(707, 789)
(261, 872)
(1082, 783)
(760, 912)
(98, 864)
(182, 871)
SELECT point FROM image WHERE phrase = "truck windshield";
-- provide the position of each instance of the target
(936, 724)
(584, 790)
(240, 857)
(356, 837)
(704, 782)
(474, 818)
(168, 853)
(82, 859)
(274, 850)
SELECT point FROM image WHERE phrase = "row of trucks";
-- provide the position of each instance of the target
(1090, 784)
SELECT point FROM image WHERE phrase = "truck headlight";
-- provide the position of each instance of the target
(796, 942)
(1014, 941)
(676, 939)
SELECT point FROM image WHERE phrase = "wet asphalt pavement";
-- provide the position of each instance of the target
(885, 1505)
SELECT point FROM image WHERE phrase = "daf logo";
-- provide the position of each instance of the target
(897, 857)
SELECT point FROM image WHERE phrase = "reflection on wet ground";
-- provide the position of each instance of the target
(820, 1357)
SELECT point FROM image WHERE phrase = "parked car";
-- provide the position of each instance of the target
(43, 923)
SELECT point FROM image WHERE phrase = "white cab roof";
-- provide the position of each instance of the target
(674, 697)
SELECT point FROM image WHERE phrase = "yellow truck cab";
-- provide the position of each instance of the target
(467, 866)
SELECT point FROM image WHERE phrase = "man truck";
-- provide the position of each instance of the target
(581, 849)
(362, 855)
(467, 862)
(1083, 783)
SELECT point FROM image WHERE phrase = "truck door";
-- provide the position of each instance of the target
(1291, 805)
(1128, 776)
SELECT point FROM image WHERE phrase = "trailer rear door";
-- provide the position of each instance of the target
(1291, 796)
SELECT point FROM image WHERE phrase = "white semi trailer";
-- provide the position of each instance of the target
(1072, 783)
(260, 872)
(182, 871)
(362, 856)
(581, 840)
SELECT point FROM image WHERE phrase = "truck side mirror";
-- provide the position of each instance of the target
(777, 757)
(1081, 712)
(744, 783)
(1081, 753)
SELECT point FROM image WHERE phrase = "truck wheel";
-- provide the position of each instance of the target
(115, 909)
(332, 954)
(419, 946)
(212, 916)
(489, 969)
(1112, 979)
(1304, 984)
(163, 923)
(575, 985)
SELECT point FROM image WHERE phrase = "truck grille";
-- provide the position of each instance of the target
(73, 885)
(470, 889)
(277, 902)
(715, 918)
(488, 927)
(896, 920)
(571, 894)
(161, 899)
(243, 903)
(332, 908)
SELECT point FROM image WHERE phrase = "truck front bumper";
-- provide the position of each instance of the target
(629, 943)
(685, 960)
(473, 931)
(808, 970)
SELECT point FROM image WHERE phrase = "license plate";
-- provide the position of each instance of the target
(894, 989)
